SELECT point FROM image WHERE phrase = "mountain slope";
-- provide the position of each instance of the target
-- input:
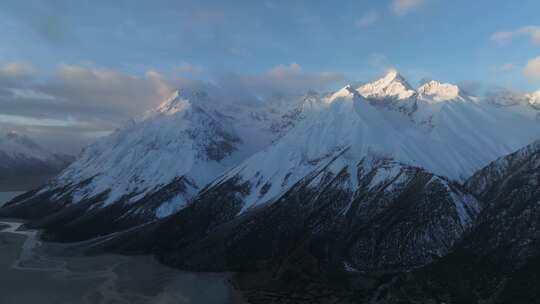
(463, 135)
(162, 162)
(346, 183)
(25, 165)
(392, 220)
(330, 160)
(499, 260)
(350, 187)
(392, 91)
(152, 167)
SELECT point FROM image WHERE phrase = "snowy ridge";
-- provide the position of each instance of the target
(463, 136)
(526, 104)
(390, 92)
(392, 85)
(440, 123)
(497, 169)
(145, 156)
(16, 145)
(438, 92)
(18, 149)
(194, 140)
(24, 164)
(506, 98)
(387, 215)
(188, 140)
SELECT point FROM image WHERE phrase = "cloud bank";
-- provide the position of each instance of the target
(77, 103)
(532, 69)
(530, 31)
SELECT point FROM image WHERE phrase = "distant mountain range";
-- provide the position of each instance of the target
(25, 165)
(379, 187)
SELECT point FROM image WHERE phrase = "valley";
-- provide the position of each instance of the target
(270, 152)
(379, 193)
(32, 271)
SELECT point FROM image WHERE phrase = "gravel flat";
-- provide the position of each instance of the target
(29, 273)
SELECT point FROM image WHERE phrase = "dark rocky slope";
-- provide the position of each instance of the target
(499, 261)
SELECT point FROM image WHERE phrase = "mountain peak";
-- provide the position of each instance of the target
(503, 97)
(17, 145)
(174, 95)
(345, 92)
(180, 100)
(12, 135)
(438, 91)
(393, 74)
(172, 104)
(21, 139)
(392, 85)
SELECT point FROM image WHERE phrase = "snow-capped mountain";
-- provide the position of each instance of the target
(330, 158)
(19, 147)
(434, 91)
(369, 181)
(182, 142)
(25, 164)
(392, 85)
(157, 163)
(504, 97)
(391, 91)
(382, 178)
(195, 143)
(463, 135)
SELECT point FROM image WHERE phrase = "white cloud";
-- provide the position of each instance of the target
(107, 89)
(533, 32)
(287, 79)
(76, 103)
(367, 19)
(283, 70)
(504, 37)
(403, 7)
(17, 70)
(532, 69)
(30, 94)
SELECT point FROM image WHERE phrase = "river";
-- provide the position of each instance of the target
(32, 271)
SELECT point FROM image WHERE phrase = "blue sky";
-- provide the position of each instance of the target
(449, 40)
(81, 50)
